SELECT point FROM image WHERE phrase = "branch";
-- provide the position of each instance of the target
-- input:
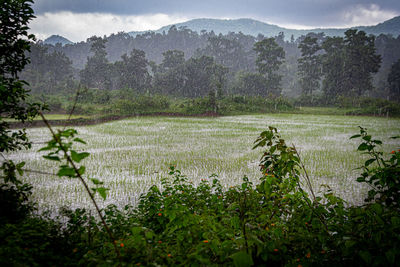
(70, 161)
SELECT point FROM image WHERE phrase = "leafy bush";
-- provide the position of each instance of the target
(370, 106)
(141, 104)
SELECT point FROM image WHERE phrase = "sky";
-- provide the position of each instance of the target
(78, 20)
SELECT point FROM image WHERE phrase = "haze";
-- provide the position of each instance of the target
(78, 20)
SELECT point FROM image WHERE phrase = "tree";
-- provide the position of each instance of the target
(310, 67)
(14, 42)
(394, 81)
(333, 68)
(226, 52)
(132, 71)
(172, 59)
(198, 76)
(169, 77)
(248, 83)
(348, 64)
(47, 72)
(269, 57)
(360, 62)
(97, 70)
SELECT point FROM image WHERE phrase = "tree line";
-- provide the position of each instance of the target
(314, 67)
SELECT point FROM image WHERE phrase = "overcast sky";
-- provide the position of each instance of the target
(79, 19)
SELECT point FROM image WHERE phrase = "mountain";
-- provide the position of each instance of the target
(54, 39)
(391, 26)
(255, 27)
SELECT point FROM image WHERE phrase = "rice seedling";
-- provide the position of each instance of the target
(132, 154)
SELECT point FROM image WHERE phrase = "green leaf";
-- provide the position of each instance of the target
(77, 157)
(136, 230)
(391, 256)
(378, 142)
(149, 235)
(395, 221)
(366, 256)
(68, 133)
(377, 208)
(81, 170)
(362, 147)
(66, 171)
(55, 158)
(367, 138)
(242, 259)
(360, 179)
(102, 191)
(46, 148)
(244, 186)
(19, 167)
(368, 162)
(79, 140)
(355, 136)
(96, 181)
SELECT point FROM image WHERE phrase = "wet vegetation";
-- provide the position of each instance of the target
(280, 218)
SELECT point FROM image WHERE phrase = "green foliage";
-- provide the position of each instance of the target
(332, 68)
(48, 72)
(394, 81)
(172, 59)
(35, 242)
(14, 37)
(251, 84)
(226, 52)
(269, 57)
(14, 42)
(380, 173)
(139, 104)
(61, 150)
(238, 104)
(359, 50)
(275, 222)
(342, 63)
(15, 205)
(369, 106)
(131, 71)
(310, 66)
(97, 69)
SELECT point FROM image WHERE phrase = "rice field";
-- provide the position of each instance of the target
(133, 154)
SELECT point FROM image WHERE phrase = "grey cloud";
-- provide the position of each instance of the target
(305, 12)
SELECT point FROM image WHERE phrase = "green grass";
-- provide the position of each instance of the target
(323, 110)
(132, 154)
(56, 117)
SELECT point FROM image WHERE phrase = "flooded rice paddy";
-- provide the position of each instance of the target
(133, 154)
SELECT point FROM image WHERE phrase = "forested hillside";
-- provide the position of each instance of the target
(255, 27)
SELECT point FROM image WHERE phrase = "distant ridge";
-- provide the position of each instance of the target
(54, 39)
(255, 27)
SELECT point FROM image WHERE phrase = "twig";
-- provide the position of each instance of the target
(312, 207)
(305, 172)
(70, 161)
(3, 156)
(73, 107)
(39, 172)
